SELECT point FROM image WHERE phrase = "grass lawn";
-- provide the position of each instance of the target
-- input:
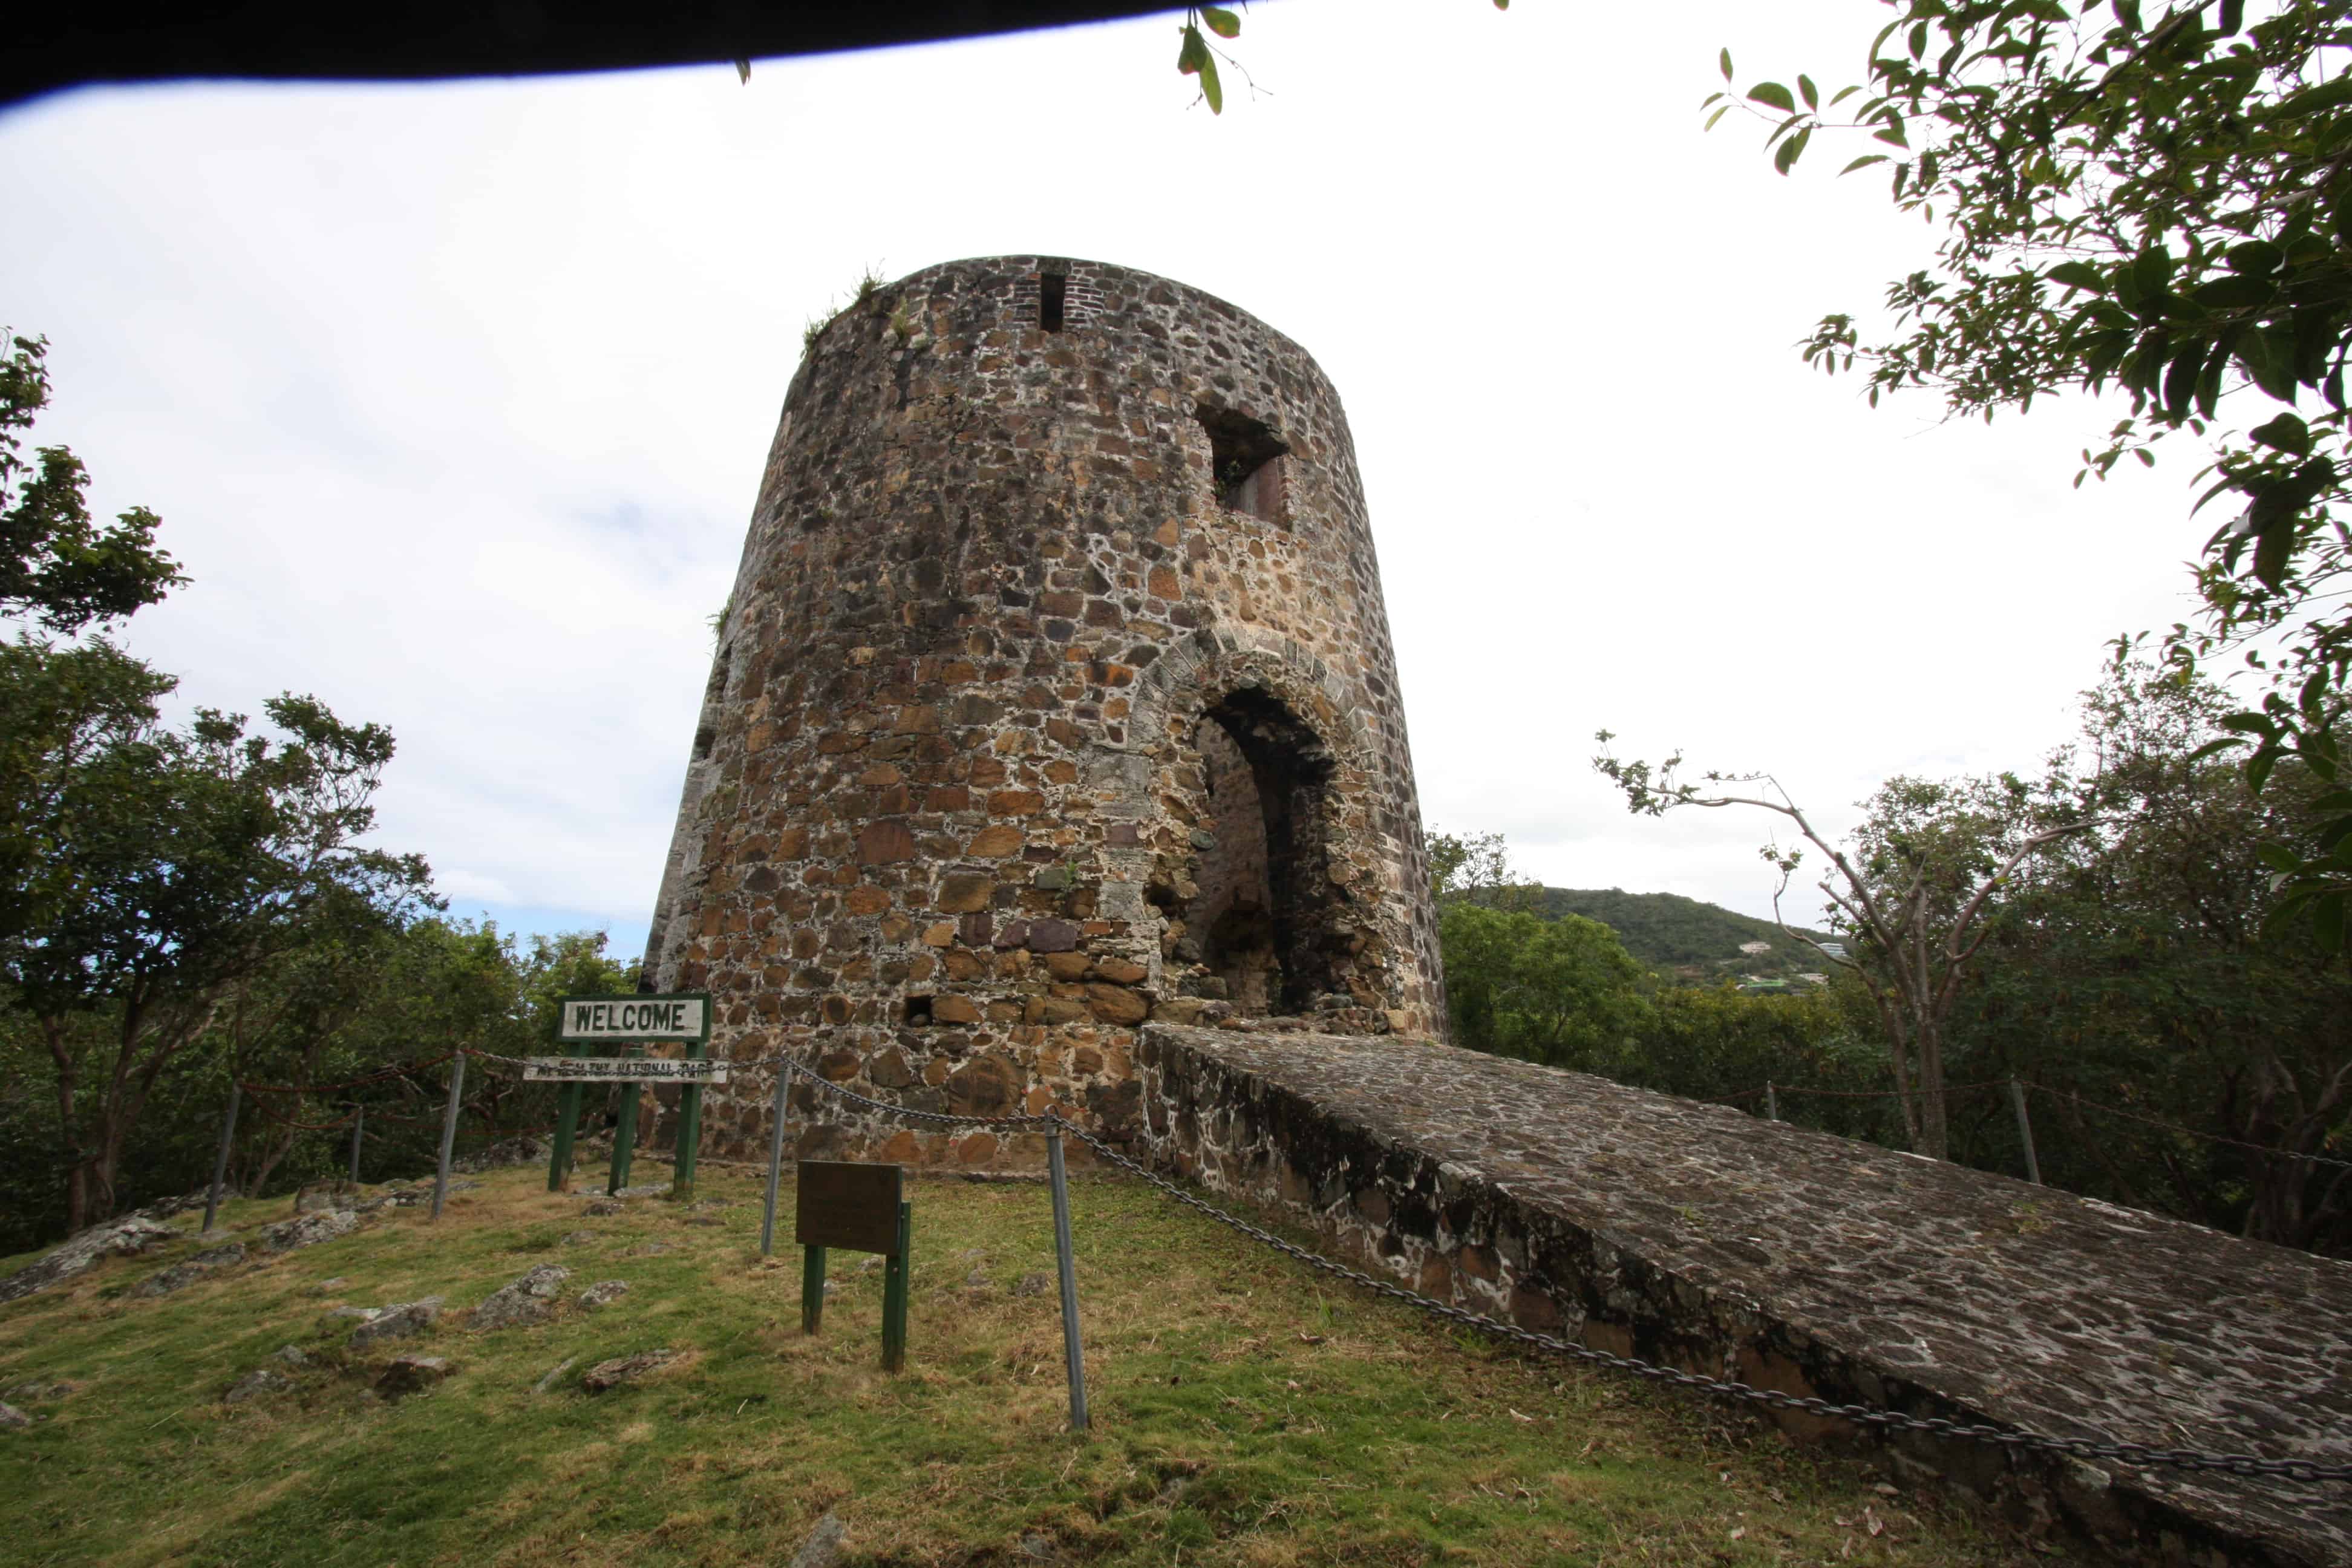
(1245, 1411)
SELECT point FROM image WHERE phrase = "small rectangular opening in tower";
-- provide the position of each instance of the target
(1052, 288)
(919, 1009)
(1245, 458)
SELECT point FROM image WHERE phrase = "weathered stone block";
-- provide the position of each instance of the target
(961, 892)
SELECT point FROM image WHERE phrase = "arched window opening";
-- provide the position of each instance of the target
(1260, 929)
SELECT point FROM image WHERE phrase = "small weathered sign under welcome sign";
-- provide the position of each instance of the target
(622, 1070)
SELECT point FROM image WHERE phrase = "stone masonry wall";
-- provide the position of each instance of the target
(1702, 1237)
(946, 807)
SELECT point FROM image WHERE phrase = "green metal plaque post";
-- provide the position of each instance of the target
(625, 1137)
(567, 1123)
(894, 1295)
(689, 1134)
(812, 1288)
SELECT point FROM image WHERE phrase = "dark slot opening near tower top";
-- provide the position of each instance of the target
(1263, 924)
(1246, 458)
(1053, 288)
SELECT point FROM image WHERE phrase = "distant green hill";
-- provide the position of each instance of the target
(1683, 938)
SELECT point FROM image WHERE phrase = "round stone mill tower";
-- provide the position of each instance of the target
(1054, 695)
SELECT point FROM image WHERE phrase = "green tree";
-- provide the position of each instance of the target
(181, 863)
(2131, 976)
(1561, 992)
(1910, 891)
(1477, 867)
(2163, 209)
(56, 566)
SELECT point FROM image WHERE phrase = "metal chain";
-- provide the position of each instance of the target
(2190, 1131)
(1861, 1414)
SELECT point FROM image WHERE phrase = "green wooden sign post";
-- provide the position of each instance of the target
(689, 1134)
(567, 1123)
(858, 1208)
(632, 1021)
(625, 1139)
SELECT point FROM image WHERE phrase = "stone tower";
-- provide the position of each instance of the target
(1054, 694)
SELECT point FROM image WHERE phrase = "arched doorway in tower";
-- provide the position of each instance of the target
(1261, 926)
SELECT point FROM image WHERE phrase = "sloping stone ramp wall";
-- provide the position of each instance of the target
(1700, 1236)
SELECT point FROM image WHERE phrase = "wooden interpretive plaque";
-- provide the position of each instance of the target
(847, 1204)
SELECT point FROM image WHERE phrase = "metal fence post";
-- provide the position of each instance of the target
(1073, 1355)
(775, 1161)
(1772, 1101)
(220, 1161)
(449, 1130)
(359, 1120)
(2024, 1130)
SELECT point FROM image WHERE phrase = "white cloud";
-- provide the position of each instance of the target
(453, 400)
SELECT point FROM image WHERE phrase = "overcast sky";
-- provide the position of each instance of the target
(453, 400)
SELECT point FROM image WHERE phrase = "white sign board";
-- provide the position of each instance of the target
(622, 1070)
(680, 1017)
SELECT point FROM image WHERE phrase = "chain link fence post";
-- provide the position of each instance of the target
(775, 1162)
(448, 1131)
(1073, 1351)
(220, 1161)
(2024, 1131)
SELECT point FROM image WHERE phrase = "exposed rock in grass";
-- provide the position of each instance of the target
(518, 1151)
(406, 1198)
(12, 1416)
(290, 1354)
(307, 1230)
(558, 1370)
(823, 1547)
(605, 1209)
(603, 1293)
(647, 1249)
(184, 1274)
(606, 1374)
(335, 1318)
(397, 1323)
(411, 1374)
(644, 1190)
(579, 1238)
(254, 1385)
(79, 1254)
(1032, 1285)
(528, 1300)
(313, 1196)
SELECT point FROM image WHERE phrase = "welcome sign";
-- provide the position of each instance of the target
(683, 1016)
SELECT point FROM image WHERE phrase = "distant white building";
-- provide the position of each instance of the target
(1835, 949)
(1752, 948)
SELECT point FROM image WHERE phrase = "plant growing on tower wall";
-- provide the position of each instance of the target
(1913, 889)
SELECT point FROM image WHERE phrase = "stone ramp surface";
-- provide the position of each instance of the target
(1698, 1234)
